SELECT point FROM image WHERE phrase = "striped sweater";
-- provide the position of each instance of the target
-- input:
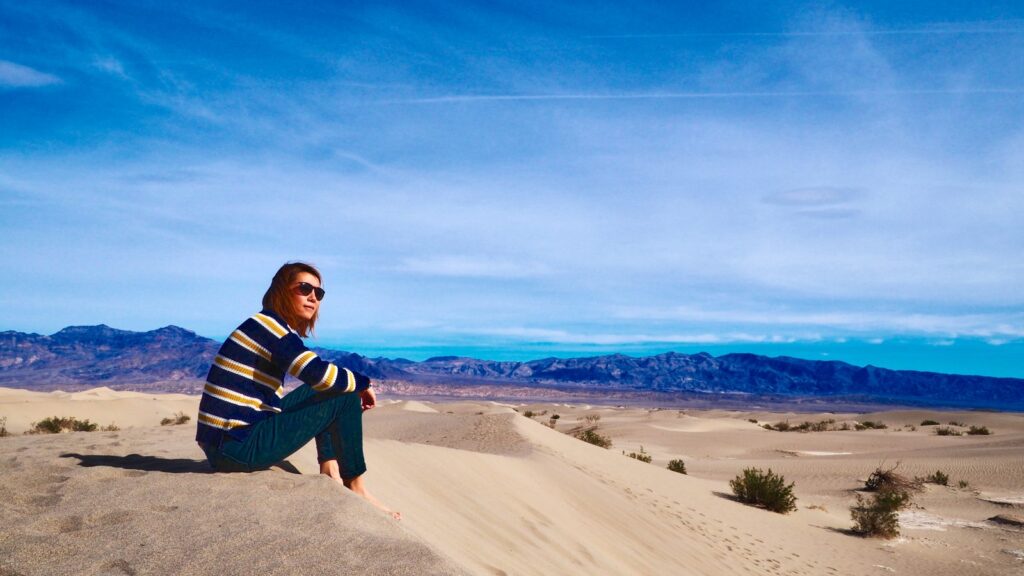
(246, 381)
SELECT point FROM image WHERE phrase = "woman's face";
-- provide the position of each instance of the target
(305, 306)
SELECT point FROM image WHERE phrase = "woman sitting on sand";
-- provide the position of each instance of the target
(246, 422)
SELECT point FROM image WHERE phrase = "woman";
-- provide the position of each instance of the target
(246, 422)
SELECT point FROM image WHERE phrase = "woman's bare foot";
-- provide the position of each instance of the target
(330, 468)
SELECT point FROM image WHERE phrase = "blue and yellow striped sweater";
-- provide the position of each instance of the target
(246, 381)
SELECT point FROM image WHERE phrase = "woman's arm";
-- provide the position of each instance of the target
(290, 354)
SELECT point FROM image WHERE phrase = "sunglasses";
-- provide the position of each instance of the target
(305, 288)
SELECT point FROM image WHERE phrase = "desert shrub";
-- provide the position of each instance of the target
(110, 428)
(938, 477)
(83, 425)
(879, 515)
(677, 465)
(870, 425)
(641, 455)
(963, 484)
(591, 436)
(944, 431)
(844, 426)
(3, 427)
(956, 423)
(888, 480)
(529, 414)
(590, 418)
(823, 426)
(752, 420)
(179, 418)
(57, 424)
(978, 431)
(929, 423)
(553, 420)
(47, 426)
(765, 489)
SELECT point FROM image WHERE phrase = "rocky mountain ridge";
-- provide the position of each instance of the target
(173, 359)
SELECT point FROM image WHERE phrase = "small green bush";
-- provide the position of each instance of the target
(677, 465)
(938, 477)
(179, 418)
(641, 455)
(879, 516)
(929, 423)
(979, 431)
(57, 424)
(963, 484)
(591, 436)
(767, 490)
(944, 431)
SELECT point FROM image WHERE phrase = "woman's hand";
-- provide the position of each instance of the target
(368, 398)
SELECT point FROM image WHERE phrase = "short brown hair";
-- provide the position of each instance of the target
(279, 296)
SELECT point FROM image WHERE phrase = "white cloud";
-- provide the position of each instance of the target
(14, 75)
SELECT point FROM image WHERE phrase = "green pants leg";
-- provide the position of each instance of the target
(334, 419)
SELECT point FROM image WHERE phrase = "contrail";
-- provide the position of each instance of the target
(469, 98)
(812, 33)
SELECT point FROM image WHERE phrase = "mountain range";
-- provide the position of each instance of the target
(173, 359)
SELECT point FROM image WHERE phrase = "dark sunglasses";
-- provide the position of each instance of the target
(305, 288)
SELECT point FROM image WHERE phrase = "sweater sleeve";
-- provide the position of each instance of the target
(290, 354)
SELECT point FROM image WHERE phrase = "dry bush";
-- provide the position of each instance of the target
(641, 455)
(978, 431)
(888, 480)
(179, 418)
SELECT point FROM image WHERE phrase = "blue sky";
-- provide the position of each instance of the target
(824, 180)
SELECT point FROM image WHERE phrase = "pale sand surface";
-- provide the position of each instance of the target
(488, 491)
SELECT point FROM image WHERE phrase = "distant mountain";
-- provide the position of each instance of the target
(177, 360)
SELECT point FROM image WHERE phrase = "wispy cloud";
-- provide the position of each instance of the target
(13, 75)
(541, 335)
(470, 267)
(814, 196)
(938, 29)
(862, 321)
(757, 94)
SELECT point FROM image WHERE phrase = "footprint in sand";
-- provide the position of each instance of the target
(119, 566)
(47, 501)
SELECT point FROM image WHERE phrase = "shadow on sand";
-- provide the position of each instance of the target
(157, 464)
(140, 462)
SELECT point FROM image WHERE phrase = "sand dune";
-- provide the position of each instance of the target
(487, 491)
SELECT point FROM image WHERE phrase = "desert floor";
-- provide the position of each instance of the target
(486, 490)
